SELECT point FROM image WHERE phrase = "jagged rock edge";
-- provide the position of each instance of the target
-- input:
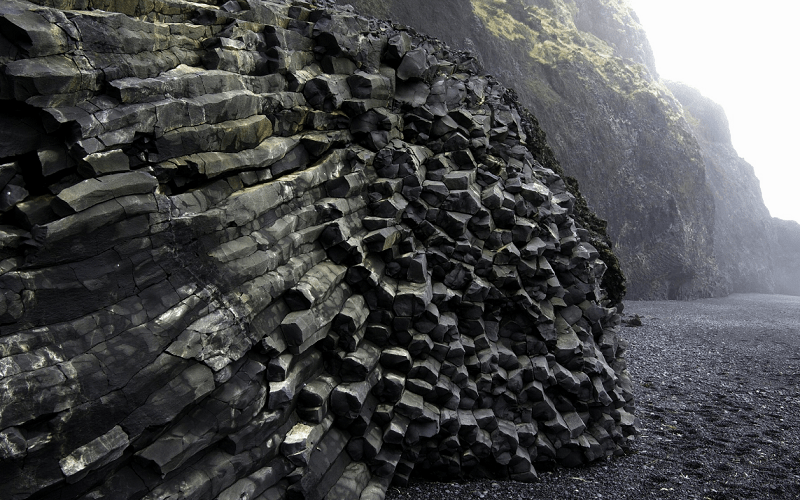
(198, 388)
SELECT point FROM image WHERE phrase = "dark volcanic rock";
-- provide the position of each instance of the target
(684, 212)
(263, 249)
(715, 409)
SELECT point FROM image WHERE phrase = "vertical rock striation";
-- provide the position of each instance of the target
(744, 241)
(787, 257)
(263, 249)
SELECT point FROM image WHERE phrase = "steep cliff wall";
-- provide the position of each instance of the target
(683, 209)
(266, 249)
(586, 71)
(744, 240)
(787, 256)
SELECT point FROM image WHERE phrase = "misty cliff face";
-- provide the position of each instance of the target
(745, 243)
(586, 70)
(787, 256)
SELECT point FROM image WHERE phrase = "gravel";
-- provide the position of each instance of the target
(717, 384)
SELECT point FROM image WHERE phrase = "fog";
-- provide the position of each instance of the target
(742, 55)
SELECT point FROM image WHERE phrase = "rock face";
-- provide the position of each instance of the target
(787, 260)
(755, 252)
(586, 71)
(744, 240)
(264, 249)
(585, 68)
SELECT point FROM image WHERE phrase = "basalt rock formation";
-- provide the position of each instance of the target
(585, 69)
(262, 249)
(684, 211)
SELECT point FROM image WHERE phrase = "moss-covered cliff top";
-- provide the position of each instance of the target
(615, 51)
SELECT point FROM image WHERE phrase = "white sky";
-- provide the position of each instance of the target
(744, 55)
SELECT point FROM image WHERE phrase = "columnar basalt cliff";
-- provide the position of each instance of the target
(262, 249)
(585, 68)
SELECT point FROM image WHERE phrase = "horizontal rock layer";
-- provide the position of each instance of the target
(264, 250)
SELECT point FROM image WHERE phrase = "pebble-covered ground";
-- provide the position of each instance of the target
(718, 396)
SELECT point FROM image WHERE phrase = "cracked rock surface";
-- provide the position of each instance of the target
(267, 249)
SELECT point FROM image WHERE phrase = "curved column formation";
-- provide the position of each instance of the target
(265, 249)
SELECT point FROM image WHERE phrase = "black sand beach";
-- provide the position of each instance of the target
(716, 382)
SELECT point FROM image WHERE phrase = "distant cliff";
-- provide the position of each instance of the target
(787, 260)
(744, 240)
(684, 211)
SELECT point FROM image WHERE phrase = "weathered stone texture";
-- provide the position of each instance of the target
(683, 210)
(264, 249)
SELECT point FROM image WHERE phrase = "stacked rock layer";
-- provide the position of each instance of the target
(262, 250)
